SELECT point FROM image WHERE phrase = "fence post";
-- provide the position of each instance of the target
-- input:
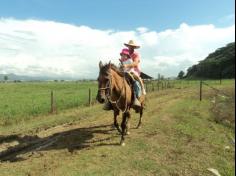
(53, 106)
(201, 90)
(90, 97)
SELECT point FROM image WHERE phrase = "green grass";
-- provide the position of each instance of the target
(22, 101)
(27, 100)
(178, 137)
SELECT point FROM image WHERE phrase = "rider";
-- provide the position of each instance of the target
(136, 62)
(130, 61)
(126, 60)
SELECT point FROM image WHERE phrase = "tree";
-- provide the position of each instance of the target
(217, 65)
(5, 78)
(159, 76)
(181, 74)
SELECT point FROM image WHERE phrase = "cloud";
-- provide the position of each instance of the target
(48, 48)
(228, 19)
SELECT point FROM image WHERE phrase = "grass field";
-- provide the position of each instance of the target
(179, 137)
(24, 101)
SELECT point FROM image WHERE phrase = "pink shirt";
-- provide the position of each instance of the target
(136, 58)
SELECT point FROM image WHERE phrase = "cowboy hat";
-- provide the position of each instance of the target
(132, 43)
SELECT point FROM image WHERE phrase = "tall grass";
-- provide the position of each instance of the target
(21, 101)
(223, 107)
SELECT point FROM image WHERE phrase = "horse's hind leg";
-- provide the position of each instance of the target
(140, 117)
(123, 127)
(116, 124)
(128, 123)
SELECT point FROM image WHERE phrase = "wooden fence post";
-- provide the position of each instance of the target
(201, 90)
(90, 97)
(53, 105)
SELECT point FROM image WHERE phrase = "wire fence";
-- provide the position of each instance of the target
(24, 100)
(213, 88)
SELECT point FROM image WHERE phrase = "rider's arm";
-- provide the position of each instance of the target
(135, 63)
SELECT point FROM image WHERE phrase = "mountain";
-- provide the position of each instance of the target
(14, 77)
(219, 64)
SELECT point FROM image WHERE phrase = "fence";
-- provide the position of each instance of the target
(220, 92)
(19, 100)
(32, 99)
(150, 86)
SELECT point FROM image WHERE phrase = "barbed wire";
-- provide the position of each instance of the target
(217, 90)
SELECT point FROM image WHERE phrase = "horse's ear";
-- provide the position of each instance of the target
(100, 64)
(109, 64)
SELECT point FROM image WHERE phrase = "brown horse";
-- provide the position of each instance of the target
(113, 86)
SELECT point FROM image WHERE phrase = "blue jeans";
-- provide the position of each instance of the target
(137, 89)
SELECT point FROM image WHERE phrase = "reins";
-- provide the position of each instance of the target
(110, 93)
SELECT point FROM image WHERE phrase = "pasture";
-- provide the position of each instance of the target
(27, 100)
(22, 101)
(180, 136)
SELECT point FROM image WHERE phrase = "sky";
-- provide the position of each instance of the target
(62, 38)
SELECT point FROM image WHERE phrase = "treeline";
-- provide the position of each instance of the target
(219, 64)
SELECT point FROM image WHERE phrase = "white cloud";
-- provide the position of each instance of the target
(33, 47)
(228, 19)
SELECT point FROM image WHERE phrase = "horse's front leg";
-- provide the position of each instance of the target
(125, 127)
(140, 117)
(116, 124)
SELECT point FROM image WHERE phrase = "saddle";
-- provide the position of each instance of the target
(129, 78)
(134, 83)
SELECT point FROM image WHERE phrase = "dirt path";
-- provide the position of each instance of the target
(86, 133)
(82, 145)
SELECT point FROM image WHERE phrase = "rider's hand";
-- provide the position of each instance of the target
(124, 66)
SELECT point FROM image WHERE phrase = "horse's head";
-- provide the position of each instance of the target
(104, 82)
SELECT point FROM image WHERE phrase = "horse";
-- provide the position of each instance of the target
(114, 87)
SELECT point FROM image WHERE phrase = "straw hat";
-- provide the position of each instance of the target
(132, 43)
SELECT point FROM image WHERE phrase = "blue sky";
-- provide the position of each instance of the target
(123, 14)
(69, 37)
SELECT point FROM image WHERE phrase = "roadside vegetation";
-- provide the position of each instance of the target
(179, 136)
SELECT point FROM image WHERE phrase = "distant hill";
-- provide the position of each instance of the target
(14, 77)
(219, 64)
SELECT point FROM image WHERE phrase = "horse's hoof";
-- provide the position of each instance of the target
(122, 144)
(127, 133)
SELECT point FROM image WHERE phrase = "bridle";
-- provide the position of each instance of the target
(107, 87)
(108, 95)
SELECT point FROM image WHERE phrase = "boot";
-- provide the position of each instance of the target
(144, 92)
(107, 106)
(136, 103)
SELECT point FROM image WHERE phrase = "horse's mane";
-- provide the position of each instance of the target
(106, 67)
